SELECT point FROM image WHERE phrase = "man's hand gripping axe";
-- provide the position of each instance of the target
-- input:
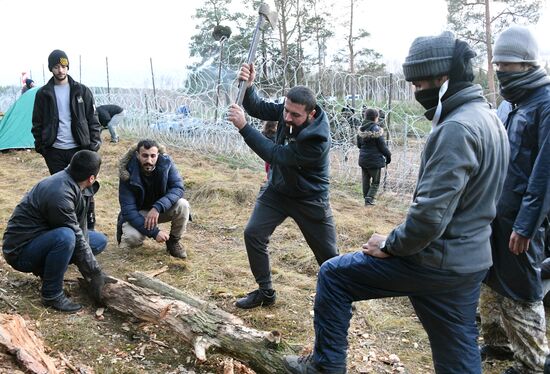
(265, 18)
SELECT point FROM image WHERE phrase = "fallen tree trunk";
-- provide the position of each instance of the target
(24, 345)
(200, 324)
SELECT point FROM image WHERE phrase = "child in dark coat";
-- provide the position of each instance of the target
(373, 154)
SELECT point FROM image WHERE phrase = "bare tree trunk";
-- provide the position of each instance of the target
(300, 75)
(202, 325)
(351, 56)
(490, 72)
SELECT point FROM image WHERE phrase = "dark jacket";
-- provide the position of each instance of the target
(84, 122)
(299, 166)
(106, 112)
(56, 201)
(462, 170)
(131, 192)
(525, 200)
(373, 151)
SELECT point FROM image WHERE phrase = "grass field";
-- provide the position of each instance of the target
(221, 196)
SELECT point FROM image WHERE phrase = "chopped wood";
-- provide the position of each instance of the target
(24, 345)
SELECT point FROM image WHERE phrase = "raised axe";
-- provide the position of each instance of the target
(266, 17)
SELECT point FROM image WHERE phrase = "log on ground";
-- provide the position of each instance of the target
(200, 324)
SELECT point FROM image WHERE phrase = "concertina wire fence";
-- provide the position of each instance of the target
(192, 117)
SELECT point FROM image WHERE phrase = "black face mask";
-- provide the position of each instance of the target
(428, 98)
(508, 76)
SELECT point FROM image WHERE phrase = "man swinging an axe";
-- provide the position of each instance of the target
(298, 181)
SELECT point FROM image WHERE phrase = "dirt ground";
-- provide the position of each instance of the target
(385, 336)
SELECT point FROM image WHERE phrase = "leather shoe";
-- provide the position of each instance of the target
(305, 365)
(257, 298)
(491, 352)
(62, 303)
(175, 249)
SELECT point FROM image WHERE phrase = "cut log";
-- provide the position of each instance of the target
(24, 345)
(200, 324)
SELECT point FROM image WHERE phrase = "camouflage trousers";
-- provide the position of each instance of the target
(520, 326)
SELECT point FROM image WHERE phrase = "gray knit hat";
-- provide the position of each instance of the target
(516, 44)
(429, 57)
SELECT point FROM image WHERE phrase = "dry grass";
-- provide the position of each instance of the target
(217, 270)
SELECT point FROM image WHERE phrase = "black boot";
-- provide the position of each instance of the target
(305, 365)
(257, 298)
(62, 303)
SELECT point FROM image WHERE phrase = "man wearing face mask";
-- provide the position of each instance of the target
(513, 318)
(298, 180)
(440, 254)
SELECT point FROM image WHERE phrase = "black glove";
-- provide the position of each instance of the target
(388, 160)
(96, 284)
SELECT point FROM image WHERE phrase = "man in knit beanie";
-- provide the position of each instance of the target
(512, 312)
(440, 254)
(64, 119)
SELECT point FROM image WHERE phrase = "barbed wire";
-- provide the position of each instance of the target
(192, 116)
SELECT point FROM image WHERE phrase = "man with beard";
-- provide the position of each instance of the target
(64, 119)
(440, 254)
(298, 180)
(513, 319)
(151, 192)
(47, 231)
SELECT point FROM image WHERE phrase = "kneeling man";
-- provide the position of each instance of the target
(151, 192)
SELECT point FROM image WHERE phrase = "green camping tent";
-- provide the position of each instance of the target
(15, 127)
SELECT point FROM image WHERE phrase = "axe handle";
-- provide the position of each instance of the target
(251, 56)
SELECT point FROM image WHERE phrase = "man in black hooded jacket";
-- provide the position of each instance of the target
(298, 180)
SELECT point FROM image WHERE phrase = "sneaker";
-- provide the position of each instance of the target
(305, 365)
(491, 352)
(511, 370)
(257, 298)
(175, 249)
(62, 303)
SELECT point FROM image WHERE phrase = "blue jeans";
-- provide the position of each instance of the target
(444, 302)
(48, 256)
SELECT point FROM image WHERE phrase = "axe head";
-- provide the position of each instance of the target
(267, 14)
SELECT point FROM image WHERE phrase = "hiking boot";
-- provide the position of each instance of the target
(175, 249)
(491, 352)
(369, 201)
(305, 365)
(257, 298)
(62, 303)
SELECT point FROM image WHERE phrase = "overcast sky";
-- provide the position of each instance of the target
(129, 32)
